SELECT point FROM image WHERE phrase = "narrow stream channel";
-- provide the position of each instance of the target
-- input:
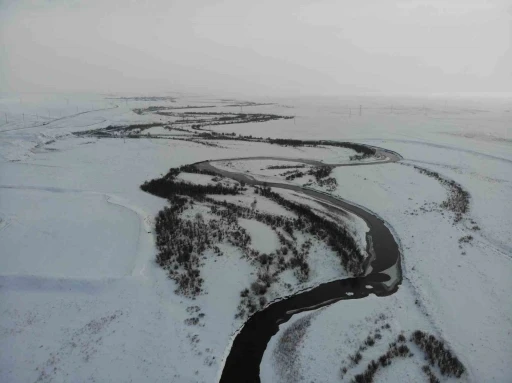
(383, 276)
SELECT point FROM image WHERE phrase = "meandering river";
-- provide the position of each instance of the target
(382, 277)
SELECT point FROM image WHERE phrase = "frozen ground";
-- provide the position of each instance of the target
(82, 299)
(448, 279)
(38, 239)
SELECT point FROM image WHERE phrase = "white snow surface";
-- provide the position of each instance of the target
(81, 298)
(201, 179)
(158, 131)
(263, 238)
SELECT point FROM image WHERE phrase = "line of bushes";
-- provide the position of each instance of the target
(336, 237)
(359, 148)
(182, 241)
(273, 167)
(362, 151)
(458, 198)
(395, 350)
(434, 350)
(167, 186)
(437, 353)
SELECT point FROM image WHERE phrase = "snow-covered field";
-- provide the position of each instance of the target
(81, 298)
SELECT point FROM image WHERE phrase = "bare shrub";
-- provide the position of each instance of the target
(437, 353)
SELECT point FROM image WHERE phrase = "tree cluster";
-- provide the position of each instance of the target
(181, 243)
(395, 351)
(338, 239)
(434, 350)
(224, 118)
(458, 198)
(167, 186)
(437, 353)
(359, 148)
(320, 173)
(272, 167)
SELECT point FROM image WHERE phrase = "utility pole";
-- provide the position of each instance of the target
(360, 109)
(5, 117)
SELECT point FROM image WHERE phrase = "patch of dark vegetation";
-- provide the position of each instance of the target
(194, 320)
(164, 188)
(200, 133)
(370, 341)
(272, 167)
(356, 358)
(360, 157)
(182, 242)
(322, 178)
(458, 198)
(340, 241)
(466, 239)
(149, 109)
(167, 186)
(192, 107)
(292, 174)
(437, 354)
(220, 118)
(120, 129)
(329, 183)
(432, 378)
(358, 148)
(177, 252)
(395, 350)
(143, 98)
(241, 104)
(320, 173)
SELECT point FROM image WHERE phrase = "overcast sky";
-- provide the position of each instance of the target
(278, 47)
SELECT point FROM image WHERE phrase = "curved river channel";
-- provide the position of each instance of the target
(382, 277)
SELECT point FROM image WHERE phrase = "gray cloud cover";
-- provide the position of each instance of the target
(285, 47)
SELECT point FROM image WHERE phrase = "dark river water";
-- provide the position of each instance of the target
(383, 275)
